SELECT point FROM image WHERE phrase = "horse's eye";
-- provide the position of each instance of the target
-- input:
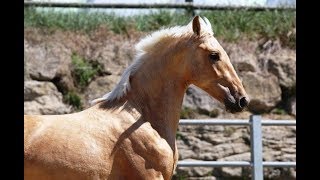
(214, 57)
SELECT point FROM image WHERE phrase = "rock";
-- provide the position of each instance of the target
(34, 89)
(272, 173)
(276, 133)
(197, 99)
(221, 150)
(104, 55)
(99, 87)
(270, 154)
(246, 63)
(49, 61)
(200, 130)
(197, 144)
(114, 54)
(240, 148)
(201, 171)
(292, 106)
(43, 98)
(243, 60)
(26, 73)
(229, 172)
(284, 69)
(246, 156)
(289, 157)
(46, 105)
(186, 154)
(293, 173)
(242, 55)
(193, 171)
(291, 141)
(238, 171)
(263, 90)
(215, 139)
(218, 138)
(203, 178)
(279, 144)
(270, 46)
(279, 61)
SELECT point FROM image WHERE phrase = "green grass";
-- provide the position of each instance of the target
(270, 24)
(279, 111)
(230, 25)
(83, 71)
(187, 113)
(155, 21)
(73, 99)
(180, 176)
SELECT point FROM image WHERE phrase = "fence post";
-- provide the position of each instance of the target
(256, 147)
(190, 9)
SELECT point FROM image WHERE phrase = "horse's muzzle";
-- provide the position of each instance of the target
(243, 102)
(236, 105)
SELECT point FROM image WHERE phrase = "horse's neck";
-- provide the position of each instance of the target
(158, 89)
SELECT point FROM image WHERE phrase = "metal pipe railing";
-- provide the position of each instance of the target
(147, 6)
(213, 164)
(235, 122)
(256, 162)
(233, 164)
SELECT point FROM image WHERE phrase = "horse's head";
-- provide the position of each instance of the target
(212, 70)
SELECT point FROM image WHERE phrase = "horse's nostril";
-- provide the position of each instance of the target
(243, 102)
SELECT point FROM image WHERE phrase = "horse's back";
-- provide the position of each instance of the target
(35, 171)
(64, 147)
(31, 122)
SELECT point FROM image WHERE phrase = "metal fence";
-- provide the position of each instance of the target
(256, 163)
(186, 5)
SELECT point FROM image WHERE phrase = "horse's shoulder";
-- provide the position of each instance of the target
(142, 145)
(149, 141)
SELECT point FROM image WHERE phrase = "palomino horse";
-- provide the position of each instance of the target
(130, 132)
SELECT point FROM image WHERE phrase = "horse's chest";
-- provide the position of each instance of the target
(145, 151)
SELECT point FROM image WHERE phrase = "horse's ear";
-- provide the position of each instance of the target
(196, 27)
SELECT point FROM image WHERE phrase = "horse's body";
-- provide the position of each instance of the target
(130, 132)
(100, 145)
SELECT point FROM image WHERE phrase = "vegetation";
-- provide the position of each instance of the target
(187, 113)
(214, 113)
(228, 131)
(180, 176)
(73, 99)
(230, 25)
(83, 70)
(279, 111)
(178, 135)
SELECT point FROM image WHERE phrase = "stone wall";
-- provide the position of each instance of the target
(267, 70)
